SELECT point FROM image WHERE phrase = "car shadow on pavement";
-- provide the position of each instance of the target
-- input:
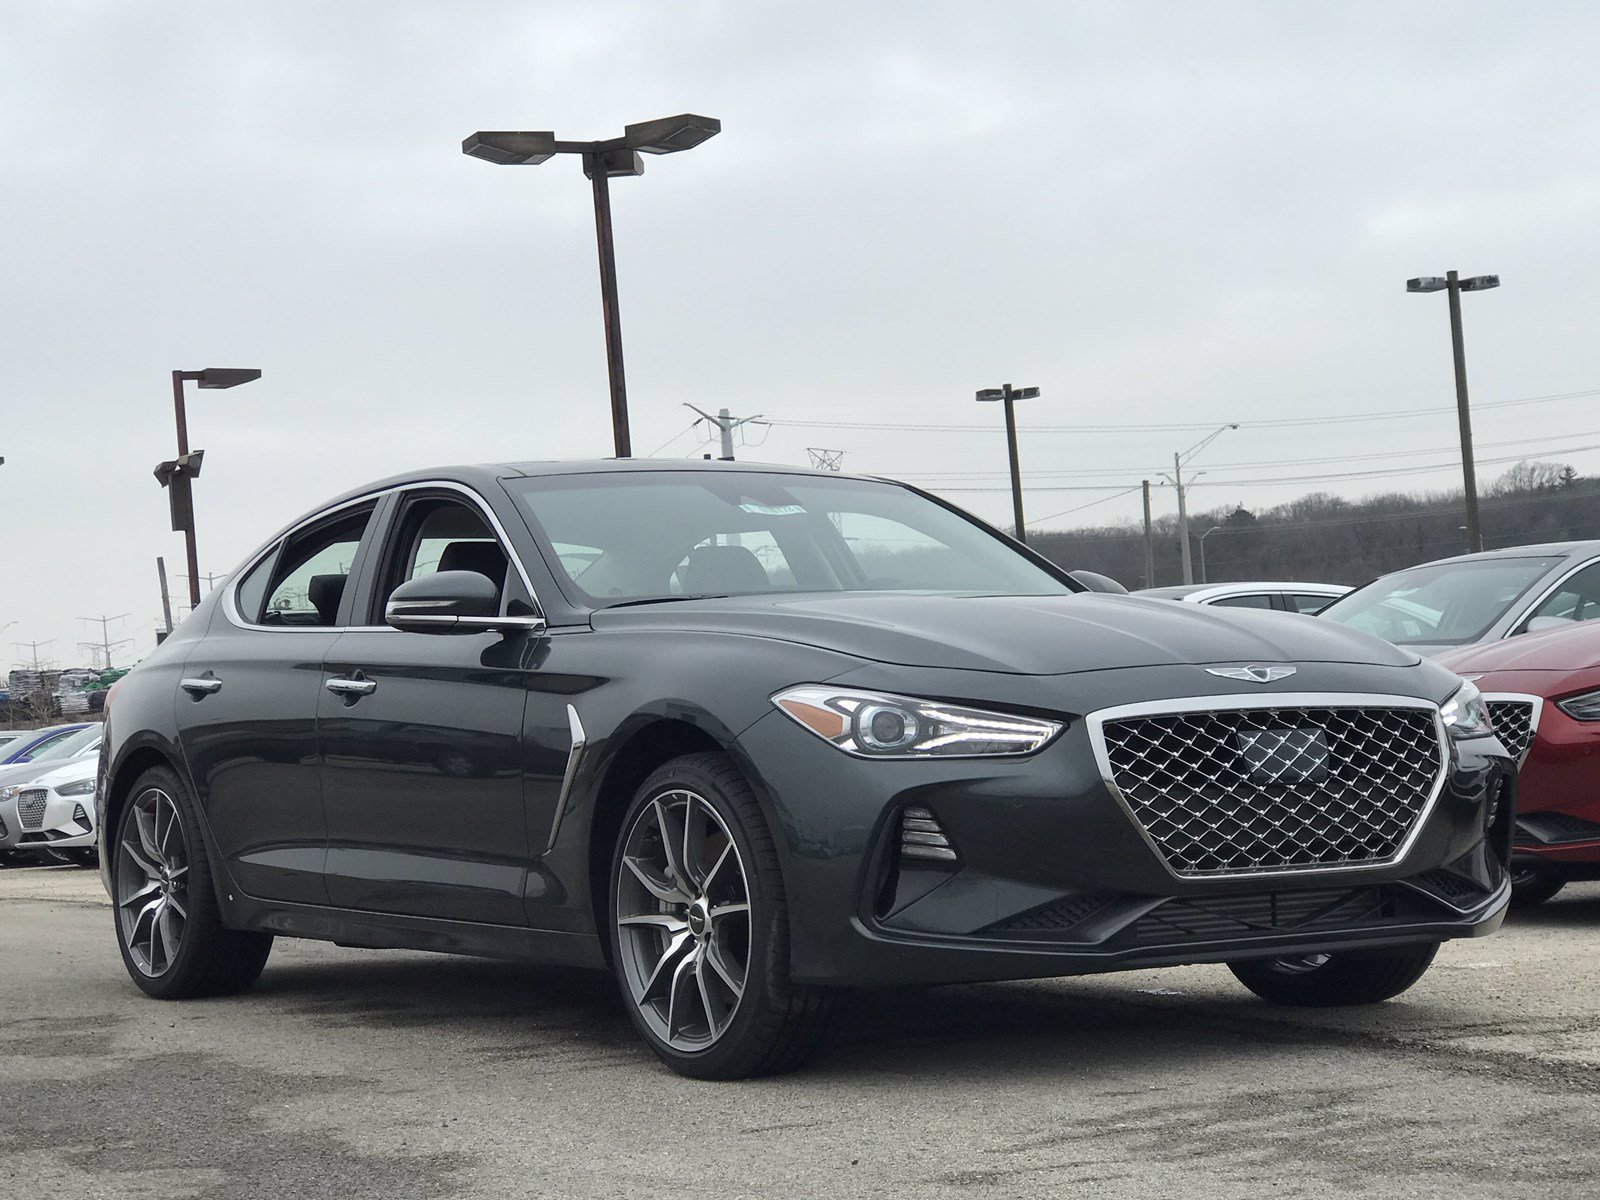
(1567, 909)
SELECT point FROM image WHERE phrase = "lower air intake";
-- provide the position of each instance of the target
(923, 838)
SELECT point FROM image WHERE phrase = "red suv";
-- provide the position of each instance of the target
(1543, 691)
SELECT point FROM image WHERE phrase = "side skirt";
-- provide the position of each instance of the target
(389, 931)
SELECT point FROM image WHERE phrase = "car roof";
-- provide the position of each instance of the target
(1185, 590)
(1536, 550)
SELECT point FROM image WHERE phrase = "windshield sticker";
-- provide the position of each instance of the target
(772, 510)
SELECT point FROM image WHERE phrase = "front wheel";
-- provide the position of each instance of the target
(1336, 979)
(700, 928)
(169, 926)
(1532, 886)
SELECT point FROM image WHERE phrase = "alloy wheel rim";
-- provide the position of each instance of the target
(153, 883)
(683, 920)
(1301, 965)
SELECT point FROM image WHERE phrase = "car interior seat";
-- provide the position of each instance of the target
(715, 570)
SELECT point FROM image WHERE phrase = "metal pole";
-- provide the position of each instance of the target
(166, 598)
(1469, 470)
(608, 302)
(1183, 518)
(1149, 540)
(191, 552)
(725, 423)
(1203, 556)
(1016, 470)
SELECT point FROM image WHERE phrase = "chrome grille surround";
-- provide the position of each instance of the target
(1516, 720)
(1182, 775)
(30, 807)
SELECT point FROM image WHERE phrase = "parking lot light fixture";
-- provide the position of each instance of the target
(601, 161)
(177, 474)
(1452, 283)
(1009, 395)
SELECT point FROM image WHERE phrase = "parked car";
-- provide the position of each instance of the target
(53, 814)
(34, 742)
(1306, 598)
(1478, 597)
(776, 733)
(82, 741)
(10, 735)
(1543, 692)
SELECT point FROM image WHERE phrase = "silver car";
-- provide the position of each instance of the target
(1307, 598)
(14, 779)
(1478, 597)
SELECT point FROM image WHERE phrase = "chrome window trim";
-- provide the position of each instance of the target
(1533, 722)
(230, 607)
(1095, 723)
(1515, 627)
(580, 739)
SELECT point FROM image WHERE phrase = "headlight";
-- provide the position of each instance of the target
(10, 791)
(1465, 714)
(82, 787)
(1583, 707)
(876, 725)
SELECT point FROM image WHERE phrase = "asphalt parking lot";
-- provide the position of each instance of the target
(359, 1074)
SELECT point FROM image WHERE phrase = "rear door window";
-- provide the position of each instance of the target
(1254, 600)
(311, 572)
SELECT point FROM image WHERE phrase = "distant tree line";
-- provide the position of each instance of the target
(1328, 539)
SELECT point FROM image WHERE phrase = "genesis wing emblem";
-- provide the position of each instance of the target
(1252, 674)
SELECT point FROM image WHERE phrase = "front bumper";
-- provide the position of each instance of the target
(66, 822)
(1054, 877)
(1558, 800)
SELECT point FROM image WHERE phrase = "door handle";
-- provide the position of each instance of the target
(341, 686)
(202, 686)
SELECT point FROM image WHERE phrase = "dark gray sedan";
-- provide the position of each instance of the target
(750, 736)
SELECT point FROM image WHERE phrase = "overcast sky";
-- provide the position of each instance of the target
(1159, 213)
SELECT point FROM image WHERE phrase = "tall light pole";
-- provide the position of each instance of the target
(177, 474)
(1008, 395)
(1455, 285)
(1179, 461)
(601, 160)
(1203, 538)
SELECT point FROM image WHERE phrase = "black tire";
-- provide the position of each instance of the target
(775, 1024)
(1342, 978)
(211, 959)
(1532, 886)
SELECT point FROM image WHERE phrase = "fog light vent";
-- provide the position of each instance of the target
(4, 832)
(79, 815)
(921, 836)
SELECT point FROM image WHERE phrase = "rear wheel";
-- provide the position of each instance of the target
(169, 926)
(1340, 978)
(1531, 886)
(700, 928)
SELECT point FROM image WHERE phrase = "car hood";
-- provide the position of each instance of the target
(83, 767)
(29, 771)
(1023, 635)
(1555, 650)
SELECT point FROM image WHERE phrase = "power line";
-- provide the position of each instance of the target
(1183, 426)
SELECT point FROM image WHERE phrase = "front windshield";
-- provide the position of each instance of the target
(629, 537)
(1445, 604)
(70, 746)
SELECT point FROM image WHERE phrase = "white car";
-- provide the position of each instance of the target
(1307, 598)
(53, 814)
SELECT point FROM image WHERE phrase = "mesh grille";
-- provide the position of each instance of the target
(1233, 916)
(1513, 724)
(1279, 789)
(30, 808)
(1555, 827)
(1056, 917)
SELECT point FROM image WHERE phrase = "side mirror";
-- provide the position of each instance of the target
(451, 602)
(1544, 624)
(1097, 582)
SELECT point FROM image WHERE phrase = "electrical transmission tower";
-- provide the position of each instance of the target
(101, 651)
(825, 460)
(726, 423)
(38, 664)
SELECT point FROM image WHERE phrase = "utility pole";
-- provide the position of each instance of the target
(726, 423)
(105, 645)
(166, 596)
(1149, 540)
(1176, 479)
